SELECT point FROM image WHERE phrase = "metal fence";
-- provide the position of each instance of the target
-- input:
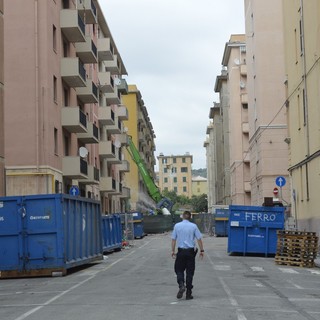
(205, 222)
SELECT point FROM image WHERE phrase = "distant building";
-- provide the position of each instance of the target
(140, 129)
(302, 52)
(175, 173)
(199, 186)
(2, 191)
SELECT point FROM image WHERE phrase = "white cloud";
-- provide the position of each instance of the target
(172, 50)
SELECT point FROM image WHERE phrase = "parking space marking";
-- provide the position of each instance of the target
(222, 268)
(314, 271)
(288, 270)
(294, 284)
(257, 269)
(259, 284)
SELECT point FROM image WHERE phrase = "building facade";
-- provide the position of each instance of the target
(302, 52)
(234, 62)
(175, 173)
(140, 129)
(199, 186)
(63, 121)
(266, 93)
(2, 190)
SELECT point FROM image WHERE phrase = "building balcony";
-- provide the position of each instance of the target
(91, 136)
(125, 194)
(245, 127)
(243, 69)
(247, 186)
(244, 98)
(106, 116)
(88, 11)
(113, 97)
(73, 72)
(123, 138)
(108, 184)
(116, 128)
(113, 65)
(105, 49)
(74, 168)
(72, 25)
(141, 137)
(87, 51)
(246, 157)
(107, 150)
(73, 120)
(93, 176)
(122, 113)
(89, 93)
(116, 157)
(106, 82)
(123, 87)
(124, 166)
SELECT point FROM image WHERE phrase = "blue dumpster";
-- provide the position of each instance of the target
(47, 234)
(254, 229)
(221, 220)
(111, 232)
(138, 229)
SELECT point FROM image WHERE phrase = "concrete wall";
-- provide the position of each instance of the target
(303, 108)
(2, 191)
(266, 97)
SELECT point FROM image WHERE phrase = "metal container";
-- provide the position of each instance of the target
(157, 224)
(48, 234)
(254, 229)
(111, 233)
(138, 225)
(221, 220)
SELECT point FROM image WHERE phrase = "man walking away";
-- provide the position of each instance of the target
(184, 234)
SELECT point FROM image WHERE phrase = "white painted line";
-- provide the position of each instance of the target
(315, 271)
(304, 299)
(145, 244)
(222, 268)
(174, 302)
(288, 270)
(257, 269)
(295, 285)
(259, 284)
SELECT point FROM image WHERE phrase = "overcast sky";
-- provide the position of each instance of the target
(172, 50)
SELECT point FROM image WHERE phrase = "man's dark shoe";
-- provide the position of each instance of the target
(189, 295)
(182, 289)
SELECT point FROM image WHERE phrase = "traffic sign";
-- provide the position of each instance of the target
(275, 191)
(281, 181)
(74, 191)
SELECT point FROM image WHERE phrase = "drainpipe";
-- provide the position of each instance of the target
(305, 78)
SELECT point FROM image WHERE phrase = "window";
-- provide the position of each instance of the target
(174, 160)
(55, 93)
(55, 137)
(198, 190)
(175, 179)
(165, 180)
(304, 107)
(57, 186)
(66, 146)
(183, 160)
(54, 38)
(66, 96)
(174, 170)
(165, 170)
(184, 189)
(245, 106)
(198, 183)
(301, 37)
(164, 160)
(184, 169)
(184, 179)
(65, 4)
(175, 189)
(65, 49)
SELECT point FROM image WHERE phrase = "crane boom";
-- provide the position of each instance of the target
(153, 190)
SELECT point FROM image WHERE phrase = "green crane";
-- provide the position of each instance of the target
(153, 190)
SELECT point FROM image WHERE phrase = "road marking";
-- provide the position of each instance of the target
(145, 244)
(257, 269)
(288, 270)
(259, 284)
(174, 302)
(295, 285)
(315, 271)
(34, 310)
(222, 268)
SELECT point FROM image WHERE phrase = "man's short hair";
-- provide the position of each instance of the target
(187, 215)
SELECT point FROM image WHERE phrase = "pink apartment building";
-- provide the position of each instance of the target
(63, 112)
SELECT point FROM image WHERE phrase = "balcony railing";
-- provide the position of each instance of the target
(94, 89)
(83, 167)
(81, 24)
(114, 184)
(94, 9)
(113, 149)
(112, 115)
(82, 71)
(94, 48)
(96, 174)
(95, 131)
(83, 118)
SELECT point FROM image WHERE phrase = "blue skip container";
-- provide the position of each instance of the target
(44, 235)
(254, 229)
(221, 221)
(112, 233)
(138, 228)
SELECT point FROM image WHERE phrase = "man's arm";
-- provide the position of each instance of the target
(200, 244)
(173, 247)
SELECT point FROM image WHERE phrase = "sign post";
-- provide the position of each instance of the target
(281, 182)
(74, 191)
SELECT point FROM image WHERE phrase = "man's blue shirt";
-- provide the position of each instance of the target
(185, 232)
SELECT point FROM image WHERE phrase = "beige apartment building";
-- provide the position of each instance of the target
(302, 52)
(2, 191)
(266, 97)
(234, 62)
(175, 173)
(199, 186)
(63, 112)
(140, 129)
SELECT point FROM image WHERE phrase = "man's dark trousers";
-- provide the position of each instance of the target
(185, 261)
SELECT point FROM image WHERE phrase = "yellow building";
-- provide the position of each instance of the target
(139, 127)
(175, 173)
(199, 186)
(302, 50)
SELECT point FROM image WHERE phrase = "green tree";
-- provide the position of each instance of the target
(199, 203)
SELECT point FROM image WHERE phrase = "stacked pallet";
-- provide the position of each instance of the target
(296, 248)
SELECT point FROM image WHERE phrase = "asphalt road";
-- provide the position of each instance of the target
(139, 284)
